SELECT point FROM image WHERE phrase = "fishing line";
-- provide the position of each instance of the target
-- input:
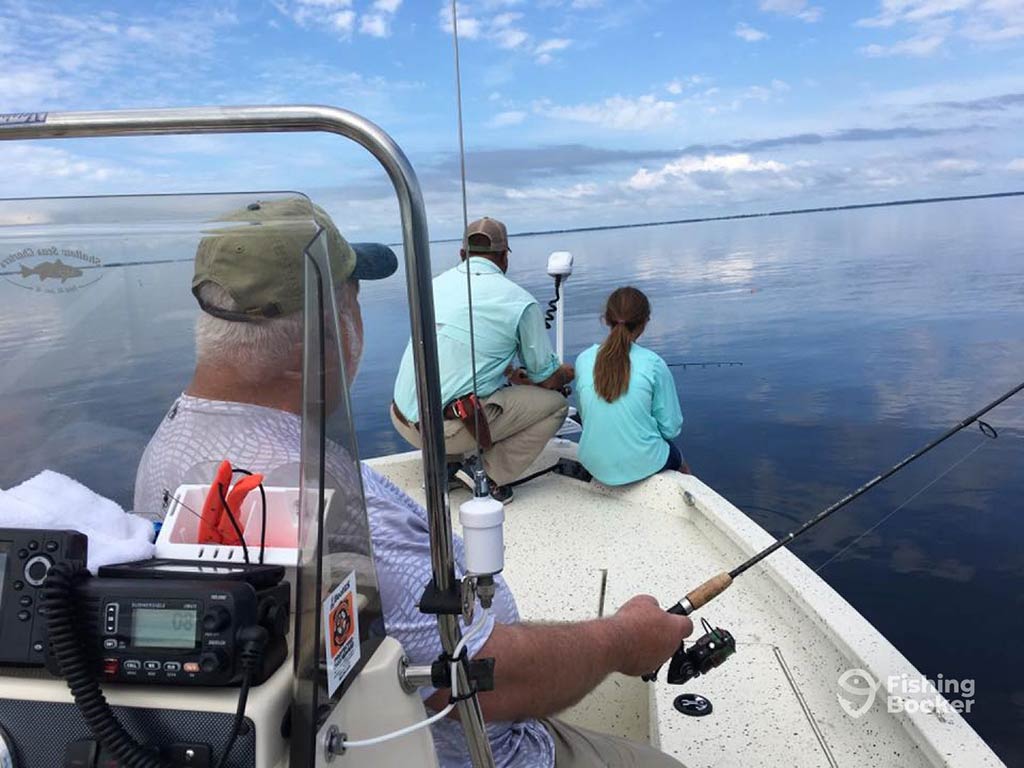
(465, 246)
(706, 364)
(714, 586)
(981, 444)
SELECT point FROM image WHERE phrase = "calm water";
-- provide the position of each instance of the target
(862, 335)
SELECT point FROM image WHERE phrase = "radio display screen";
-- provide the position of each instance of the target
(164, 628)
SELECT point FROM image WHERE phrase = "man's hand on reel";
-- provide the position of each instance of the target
(646, 635)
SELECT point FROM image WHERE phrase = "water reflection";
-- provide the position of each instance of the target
(862, 333)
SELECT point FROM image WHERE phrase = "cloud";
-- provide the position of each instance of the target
(544, 49)
(690, 165)
(505, 119)
(90, 54)
(746, 32)
(797, 8)
(999, 103)
(377, 23)
(935, 21)
(502, 29)
(1016, 165)
(37, 167)
(491, 20)
(617, 112)
(678, 85)
(917, 47)
(335, 15)
(956, 166)
(519, 164)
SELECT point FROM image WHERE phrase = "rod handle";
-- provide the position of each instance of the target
(707, 591)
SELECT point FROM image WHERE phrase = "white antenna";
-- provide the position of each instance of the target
(560, 267)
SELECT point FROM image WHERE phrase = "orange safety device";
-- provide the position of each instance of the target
(215, 526)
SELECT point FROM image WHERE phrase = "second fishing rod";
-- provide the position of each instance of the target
(717, 644)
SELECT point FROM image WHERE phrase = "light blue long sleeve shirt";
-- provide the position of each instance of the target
(626, 440)
(507, 323)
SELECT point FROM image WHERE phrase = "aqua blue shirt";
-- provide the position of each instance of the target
(507, 323)
(626, 440)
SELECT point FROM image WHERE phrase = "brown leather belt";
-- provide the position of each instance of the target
(468, 410)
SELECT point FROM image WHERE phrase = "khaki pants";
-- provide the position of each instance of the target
(580, 748)
(522, 419)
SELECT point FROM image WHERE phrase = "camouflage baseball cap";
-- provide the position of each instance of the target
(257, 257)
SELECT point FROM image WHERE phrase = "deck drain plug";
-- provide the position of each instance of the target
(693, 704)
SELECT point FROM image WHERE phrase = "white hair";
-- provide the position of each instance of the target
(261, 350)
(255, 350)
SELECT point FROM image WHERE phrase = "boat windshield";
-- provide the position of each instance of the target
(114, 377)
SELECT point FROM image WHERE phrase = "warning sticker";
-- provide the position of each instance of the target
(341, 632)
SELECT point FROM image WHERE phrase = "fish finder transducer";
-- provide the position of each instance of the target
(26, 556)
(171, 622)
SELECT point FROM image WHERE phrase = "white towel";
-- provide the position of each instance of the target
(51, 500)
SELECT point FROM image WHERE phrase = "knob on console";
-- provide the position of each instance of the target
(36, 570)
(216, 619)
(212, 661)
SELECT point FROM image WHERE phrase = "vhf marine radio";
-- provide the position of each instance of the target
(174, 622)
(26, 556)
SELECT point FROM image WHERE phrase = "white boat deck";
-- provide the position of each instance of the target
(775, 702)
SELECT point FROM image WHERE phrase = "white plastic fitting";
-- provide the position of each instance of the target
(560, 264)
(482, 518)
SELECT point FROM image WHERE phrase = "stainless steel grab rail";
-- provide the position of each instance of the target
(415, 241)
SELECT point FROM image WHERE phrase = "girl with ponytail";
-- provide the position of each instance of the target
(627, 399)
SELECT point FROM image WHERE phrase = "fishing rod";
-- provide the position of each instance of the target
(705, 364)
(718, 644)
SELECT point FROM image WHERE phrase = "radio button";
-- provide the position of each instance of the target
(33, 545)
(152, 666)
(216, 619)
(172, 666)
(24, 615)
(211, 661)
(110, 642)
(191, 667)
(36, 570)
(37, 646)
(25, 600)
(52, 546)
(22, 553)
(18, 585)
(111, 667)
(132, 665)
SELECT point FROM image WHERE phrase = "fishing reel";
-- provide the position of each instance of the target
(709, 651)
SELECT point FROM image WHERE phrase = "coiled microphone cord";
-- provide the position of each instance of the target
(63, 626)
(549, 313)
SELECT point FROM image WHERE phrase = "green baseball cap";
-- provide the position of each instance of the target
(257, 257)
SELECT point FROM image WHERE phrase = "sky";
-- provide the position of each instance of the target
(577, 112)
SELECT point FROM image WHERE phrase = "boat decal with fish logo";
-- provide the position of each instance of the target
(51, 269)
(56, 270)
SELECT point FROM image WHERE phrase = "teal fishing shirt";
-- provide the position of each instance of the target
(626, 440)
(507, 323)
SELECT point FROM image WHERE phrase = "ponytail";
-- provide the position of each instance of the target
(626, 312)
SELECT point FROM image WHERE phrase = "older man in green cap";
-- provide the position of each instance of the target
(510, 424)
(244, 404)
